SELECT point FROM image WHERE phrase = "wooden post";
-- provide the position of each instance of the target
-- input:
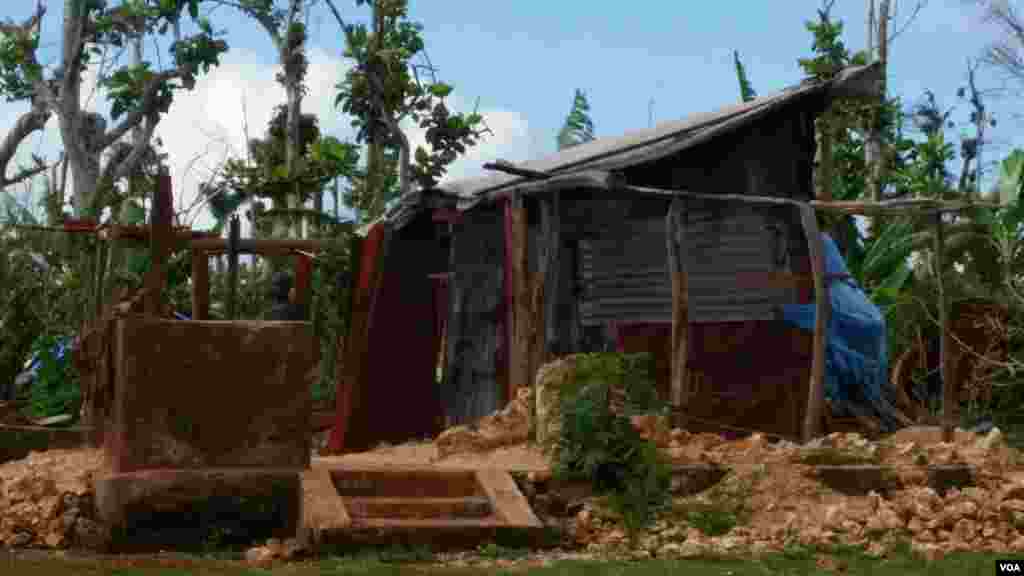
(553, 241)
(949, 397)
(303, 280)
(200, 285)
(347, 369)
(541, 296)
(675, 240)
(160, 240)
(233, 236)
(102, 257)
(521, 301)
(823, 310)
(507, 324)
(114, 262)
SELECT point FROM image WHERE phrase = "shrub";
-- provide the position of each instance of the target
(55, 389)
(600, 445)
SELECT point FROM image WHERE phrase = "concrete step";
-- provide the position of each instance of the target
(442, 508)
(419, 508)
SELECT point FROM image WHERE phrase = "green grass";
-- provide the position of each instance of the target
(793, 562)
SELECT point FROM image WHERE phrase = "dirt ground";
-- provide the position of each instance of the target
(519, 458)
(772, 498)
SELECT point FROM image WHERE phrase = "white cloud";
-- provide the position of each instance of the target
(46, 143)
(509, 140)
(206, 126)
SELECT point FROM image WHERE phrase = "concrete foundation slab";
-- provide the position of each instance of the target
(183, 508)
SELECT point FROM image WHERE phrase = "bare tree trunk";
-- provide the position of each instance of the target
(318, 207)
(337, 199)
(823, 172)
(874, 155)
(292, 149)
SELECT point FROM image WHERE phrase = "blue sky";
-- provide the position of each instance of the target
(523, 60)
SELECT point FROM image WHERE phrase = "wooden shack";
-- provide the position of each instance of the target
(703, 219)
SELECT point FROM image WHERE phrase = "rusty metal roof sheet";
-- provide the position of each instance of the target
(590, 164)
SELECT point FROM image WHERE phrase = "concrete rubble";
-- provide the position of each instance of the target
(770, 490)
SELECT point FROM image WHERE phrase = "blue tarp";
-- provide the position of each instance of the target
(856, 357)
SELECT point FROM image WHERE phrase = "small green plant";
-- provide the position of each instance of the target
(712, 520)
(602, 447)
(55, 390)
(496, 551)
(404, 554)
(722, 507)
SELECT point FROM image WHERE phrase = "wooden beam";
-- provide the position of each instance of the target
(949, 395)
(916, 206)
(160, 242)
(675, 239)
(303, 279)
(233, 242)
(507, 322)
(265, 246)
(200, 285)
(823, 309)
(911, 207)
(142, 234)
(521, 299)
(510, 168)
(552, 278)
(540, 297)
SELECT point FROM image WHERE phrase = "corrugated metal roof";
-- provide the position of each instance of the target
(641, 146)
(590, 164)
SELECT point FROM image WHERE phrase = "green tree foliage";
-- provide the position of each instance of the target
(747, 92)
(578, 127)
(288, 34)
(388, 85)
(263, 177)
(139, 93)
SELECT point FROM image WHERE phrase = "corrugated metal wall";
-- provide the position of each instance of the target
(471, 388)
(724, 240)
(622, 273)
(624, 276)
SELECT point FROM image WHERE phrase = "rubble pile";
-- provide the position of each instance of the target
(783, 504)
(46, 500)
(506, 427)
(770, 496)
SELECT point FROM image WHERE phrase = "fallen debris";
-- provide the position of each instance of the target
(46, 499)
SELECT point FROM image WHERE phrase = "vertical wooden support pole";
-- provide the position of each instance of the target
(823, 310)
(160, 239)
(453, 325)
(507, 323)
(379, 266)
(363, 254)
(114, 261)
(234, 234)
(303, 279)
(675, 240)
(200, 285)
(102, 257)
(552, 280)
(949, 396)
(521, 301)
(543, 292)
